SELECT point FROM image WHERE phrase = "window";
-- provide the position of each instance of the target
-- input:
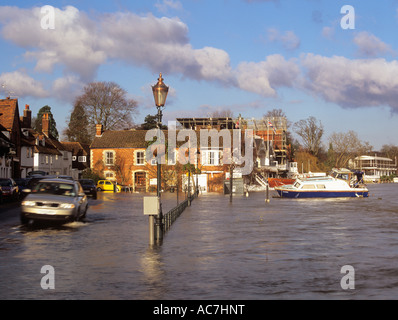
(140, 158)
(211, 158)
(308, 186)
(321, 186)
(109, 158)
(109, 175)
(65, 155)
(74, 158)
(82, 159)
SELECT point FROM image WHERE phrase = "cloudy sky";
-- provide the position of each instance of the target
(248, 56)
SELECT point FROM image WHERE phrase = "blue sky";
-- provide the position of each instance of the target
(248, 56)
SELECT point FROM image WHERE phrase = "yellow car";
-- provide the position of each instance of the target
(107, 185)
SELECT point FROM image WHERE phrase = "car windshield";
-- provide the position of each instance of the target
(56, 188)
(5, 183)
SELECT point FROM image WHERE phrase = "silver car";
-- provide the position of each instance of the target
(54, 200)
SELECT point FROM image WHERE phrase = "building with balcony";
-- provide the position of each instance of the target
(375, 167)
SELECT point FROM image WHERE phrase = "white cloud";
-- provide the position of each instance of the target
(328, 32)
(165, 5)
(288, 39)
(266, 76)
(352, 83)
(370, 46)
(18, 83)
(80, 44)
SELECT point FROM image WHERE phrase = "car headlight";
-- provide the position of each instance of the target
(28, 203)
(67, 205)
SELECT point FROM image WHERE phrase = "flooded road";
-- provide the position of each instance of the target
(287, 249)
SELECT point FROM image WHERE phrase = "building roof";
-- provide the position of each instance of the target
(76, 148)
(8, 112)
(373, 158)
(120, 139)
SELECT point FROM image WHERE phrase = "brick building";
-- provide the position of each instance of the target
(121, 156)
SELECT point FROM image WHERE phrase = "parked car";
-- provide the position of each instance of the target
(9, 188)
(1, 196)
(107, 185)
(22, 184)
(89, 187)
(55, 200)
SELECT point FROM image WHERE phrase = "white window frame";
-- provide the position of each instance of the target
(110, 175)
(211, 158)
(138, 163)
(82, 159)
(106, 158)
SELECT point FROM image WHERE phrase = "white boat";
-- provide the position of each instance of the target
(321, 187)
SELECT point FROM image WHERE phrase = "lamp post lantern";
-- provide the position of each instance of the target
(160, 91)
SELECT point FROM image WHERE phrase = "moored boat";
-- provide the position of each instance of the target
(277, 182)
(326, 187)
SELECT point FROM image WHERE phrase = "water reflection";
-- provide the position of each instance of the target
(153, 274)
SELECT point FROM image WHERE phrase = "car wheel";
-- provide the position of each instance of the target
(99, 189)
(83, 216)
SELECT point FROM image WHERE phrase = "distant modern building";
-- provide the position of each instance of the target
(375, 167)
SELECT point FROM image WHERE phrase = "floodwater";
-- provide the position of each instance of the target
(286, 249)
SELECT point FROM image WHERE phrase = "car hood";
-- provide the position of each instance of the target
(49, 198)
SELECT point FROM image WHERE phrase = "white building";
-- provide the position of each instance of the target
(375, 167)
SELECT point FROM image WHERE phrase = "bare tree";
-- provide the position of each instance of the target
(311, 132)
(389, 151)
(347, 146)
(225, 113)
(106, 103)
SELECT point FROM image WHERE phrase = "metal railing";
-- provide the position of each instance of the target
(173, 214)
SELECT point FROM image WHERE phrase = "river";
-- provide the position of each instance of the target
(250, 249)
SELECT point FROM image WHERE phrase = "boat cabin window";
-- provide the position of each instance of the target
(297, 185)
(320, 186)
(309, 186)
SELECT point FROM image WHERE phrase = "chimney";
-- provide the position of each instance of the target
(26, 119)
(45, 124)
(98, 131)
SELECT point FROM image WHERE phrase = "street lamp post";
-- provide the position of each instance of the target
(197, 172)
(160, 91)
